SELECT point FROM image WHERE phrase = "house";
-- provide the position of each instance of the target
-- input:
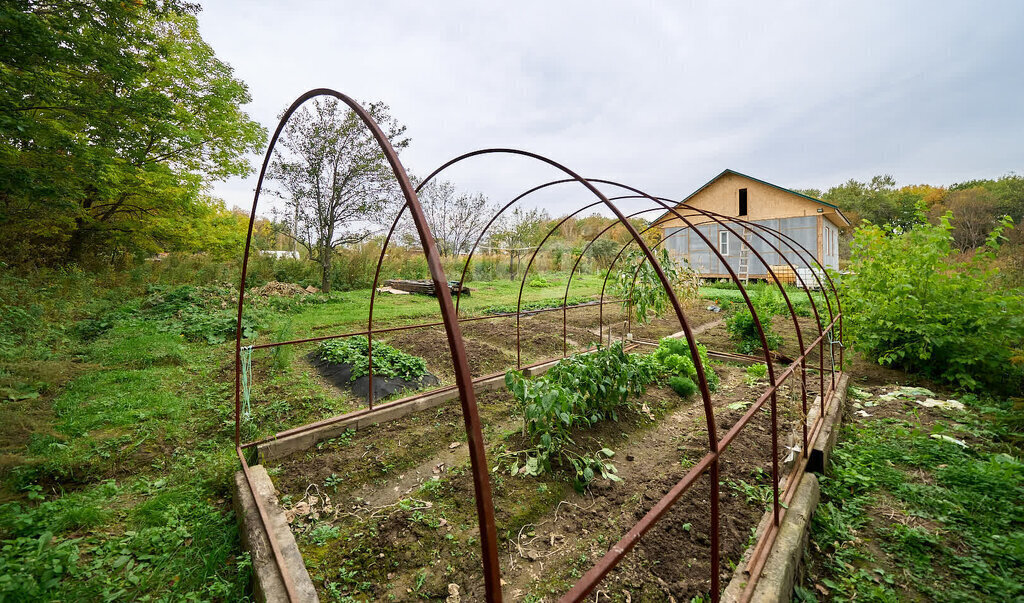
(813, 223)
(294, 255)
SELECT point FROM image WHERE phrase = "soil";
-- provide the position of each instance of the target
(401, 497)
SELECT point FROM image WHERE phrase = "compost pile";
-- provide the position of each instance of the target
(277, 288)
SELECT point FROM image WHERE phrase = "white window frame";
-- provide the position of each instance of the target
(723, 242)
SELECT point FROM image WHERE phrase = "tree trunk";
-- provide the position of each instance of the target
(325, 270)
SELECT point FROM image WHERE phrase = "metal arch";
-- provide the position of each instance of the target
(590, 579)
(705, 393)
(481, 483)
(450, 317)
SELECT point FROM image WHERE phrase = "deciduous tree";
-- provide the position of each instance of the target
(456, 219)
(334, 177)
(114, 116)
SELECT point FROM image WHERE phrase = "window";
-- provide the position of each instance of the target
(723, 242)
(743, 202)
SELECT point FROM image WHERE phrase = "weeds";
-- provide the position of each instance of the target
(947, 518)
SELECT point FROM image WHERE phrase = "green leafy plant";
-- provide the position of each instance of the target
(642, 292)
(322, 533)
(684, 386)
(387, 361)
(912, 302)
(756, 373)
(742, 328)
(578, 392)
(675, 360)
(282, 355)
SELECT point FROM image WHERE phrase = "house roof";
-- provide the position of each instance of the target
(735, 173)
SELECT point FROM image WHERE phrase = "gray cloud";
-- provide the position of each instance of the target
(661, 95)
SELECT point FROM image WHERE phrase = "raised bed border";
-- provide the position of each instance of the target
(269, 579)
(780, 567)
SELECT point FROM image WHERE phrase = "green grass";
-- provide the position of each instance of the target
(908, 516)
(349, 309)
(797, 296)
(119, 396)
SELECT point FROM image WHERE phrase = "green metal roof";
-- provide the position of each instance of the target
(734, 172)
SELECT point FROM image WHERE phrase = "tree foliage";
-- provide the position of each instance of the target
(878, 202)
(336, 182)
(638, 286)
(913, 303)
(114, 116)
(455, 219)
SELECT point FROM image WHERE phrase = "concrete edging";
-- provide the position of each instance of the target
(268, 582)
(785, 559)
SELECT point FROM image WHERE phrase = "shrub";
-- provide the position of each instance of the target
(741, 324)
(912, 302)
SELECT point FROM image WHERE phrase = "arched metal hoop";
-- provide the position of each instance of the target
(464, 381)
(463, 378)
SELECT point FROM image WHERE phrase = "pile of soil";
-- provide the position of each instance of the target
(340, 375)
(279, 288)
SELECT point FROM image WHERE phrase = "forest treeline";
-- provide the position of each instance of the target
(108, 150)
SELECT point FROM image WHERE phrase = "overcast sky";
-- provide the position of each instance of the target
(660, 95)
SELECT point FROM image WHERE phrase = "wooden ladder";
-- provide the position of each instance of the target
(744, 272)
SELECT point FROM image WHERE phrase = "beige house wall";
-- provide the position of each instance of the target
(764, 202)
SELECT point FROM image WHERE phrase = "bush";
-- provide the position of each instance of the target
(684, 386)
(742, 328)
(912, 302)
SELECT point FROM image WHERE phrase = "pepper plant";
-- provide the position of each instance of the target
(577, 393)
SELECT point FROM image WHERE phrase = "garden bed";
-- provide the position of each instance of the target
(389, 511)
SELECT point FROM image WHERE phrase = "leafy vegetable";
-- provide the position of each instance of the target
(387, 361)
